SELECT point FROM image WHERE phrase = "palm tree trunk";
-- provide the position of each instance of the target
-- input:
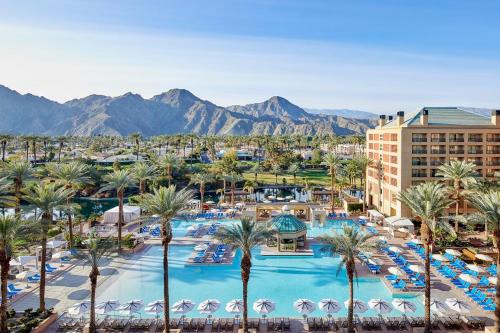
(167, 237)
(457, 206)
(120, 219)
(4, 146)
(17, 190)
(246, 265)
(42, 271)
(70, 223)
(93, 286)
(427, 291)
(233, 189)
(202, 195)
(3, 307)
(332, 177)
(350, 311)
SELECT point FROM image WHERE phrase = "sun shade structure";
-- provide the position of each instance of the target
(131, 307)
(357, 306)
(403, 305)
(234, 306)
(437, 305)
(457, 305)
(379, 305)
(264, 306)
(79, 308)
(290, 231)
(329, 305)
(304, 306)
(108, 306)
(183, 306)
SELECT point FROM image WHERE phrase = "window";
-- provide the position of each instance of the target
(456, 149)
(419, 173)
(475, 149)
(493, 137)
(419, 137)
(473, 137)
(419, 149)
(456, 137)
(438, 149)
(419, 161)
(438, 137)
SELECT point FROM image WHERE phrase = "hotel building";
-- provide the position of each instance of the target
(408, 150)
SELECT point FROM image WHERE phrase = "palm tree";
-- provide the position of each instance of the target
(333, 162)
(364, 162)
(256, 169)
(428, 202)
(10, 231)
(142, 173)
(96, 249)
(293, 169)
(4, 139)
(168, 162)
(348, 244)
(18, 172)
(233, 178)
(201, 179)
(276, 169)
(245, 236)
(118, 181)
(72, 176)
(6, 200)
(136, 138)
(46, 197)
(166, 203)
(488, 213)
(459, 173)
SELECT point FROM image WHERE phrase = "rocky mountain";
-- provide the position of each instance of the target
(175, 111)
(346, 113)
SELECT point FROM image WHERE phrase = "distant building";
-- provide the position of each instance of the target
(408, 150)
(242, 155)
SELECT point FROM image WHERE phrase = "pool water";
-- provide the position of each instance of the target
(281, 279)
(329, 228)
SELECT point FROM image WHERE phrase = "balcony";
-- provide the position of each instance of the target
(419, 139)
(493, 163)
(475, 151)
(456, 139)
(438, 151)
(493, 151)
(437, 163)
(457, 151)
(419, 151)
(419, 174)
(474, 139)
(418, 163)
(493, 138)
(438, 139)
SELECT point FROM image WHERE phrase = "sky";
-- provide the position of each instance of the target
(379, 56)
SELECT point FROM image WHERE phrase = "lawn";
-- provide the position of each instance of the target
(314, 177)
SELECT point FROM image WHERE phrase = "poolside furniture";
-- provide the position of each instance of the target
(49, 268)
(474, 322)
(12, 288)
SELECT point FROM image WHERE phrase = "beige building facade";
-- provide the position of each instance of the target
(408, 149)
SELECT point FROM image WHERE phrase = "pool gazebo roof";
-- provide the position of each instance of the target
(288, 224)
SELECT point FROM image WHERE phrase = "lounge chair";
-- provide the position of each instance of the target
(474, 322)
(12, 288)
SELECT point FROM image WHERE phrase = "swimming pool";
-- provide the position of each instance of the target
(329, 228)
(282, 279)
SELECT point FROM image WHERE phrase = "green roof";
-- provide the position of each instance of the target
(444, 116)
(287, 224)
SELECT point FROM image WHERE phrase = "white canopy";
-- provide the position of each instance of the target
(399, 222)
(130, 213)
(374, 214)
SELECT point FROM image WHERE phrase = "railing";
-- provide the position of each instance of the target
(493, 151)
(493, 163)
(419, 139)
(458, 151)
(438, 151)
(419, 175)
(438, 139)
(419, 163)
(419, 151)
(494, 139)
(456, 140)
(476, 151)
(437, 163)
(475, 139)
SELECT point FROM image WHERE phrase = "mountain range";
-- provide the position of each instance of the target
(171, 112)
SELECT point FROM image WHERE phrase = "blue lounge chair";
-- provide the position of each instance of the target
(34, 278)
(11, 287)
(399, 285)
(391, 277)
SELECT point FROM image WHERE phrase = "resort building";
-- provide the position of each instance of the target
(408, 150)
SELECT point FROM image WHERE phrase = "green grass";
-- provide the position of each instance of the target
(314, 177)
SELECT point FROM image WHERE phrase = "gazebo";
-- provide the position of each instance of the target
(290, 231)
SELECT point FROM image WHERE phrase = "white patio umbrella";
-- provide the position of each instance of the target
(209, 202)
(453, 252)
(396, 271)
(234, 306)
(329, 305)
(468, 278)
(358, 306)
(371, 224)
(155, 307)
(14, 262)
(416, 241)
(61, 254)
(484, 257)
(304, 306)
(24, 275)
(475, 268)
(493, 279)
(440, 257)
(363, 217)
(131, 307)
(403, 305)
(201, 247)
(379, 305)
(264, 306)
(457, 305)
(108, 306)
(395, 249)
(437, 305)
(209, 306)
(417, 268)
(183, 306)
(79, 309)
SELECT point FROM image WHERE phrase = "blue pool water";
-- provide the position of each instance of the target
(329, 228)
(282, 279)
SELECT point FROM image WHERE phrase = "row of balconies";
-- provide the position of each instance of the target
(454, 151)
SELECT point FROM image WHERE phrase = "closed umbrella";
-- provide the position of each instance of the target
(264, 306)
(201, 247)
(183, 306)
(484, 257)
(403, 305)
(379, 305)
(475, 268)
(107, 306)
(357, 306)
(395, 249)
(131, 307)
(468, 278)
(453, 252)
(417, 268)
(329, 305)
(437, 305)
(304, 306)
(79, 309)
(457, 305)
(493, 279)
